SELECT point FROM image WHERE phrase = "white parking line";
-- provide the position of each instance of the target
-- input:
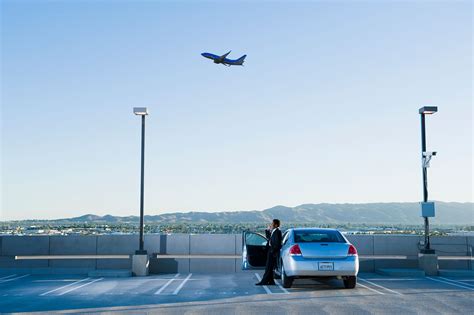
(182, 284)
(11, 279)
(264, 286)
(381, 287)
(457, 281)
(83, 285)
(281, 287)
(8, 276)
(451, 283)
(54, 280)
(395, 279)
(369, 288)
(167, 284)
(64, 286)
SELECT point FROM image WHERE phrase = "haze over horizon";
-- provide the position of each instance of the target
(355, 206)
(324, 110)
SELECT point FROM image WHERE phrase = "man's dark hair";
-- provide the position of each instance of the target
(276, 222)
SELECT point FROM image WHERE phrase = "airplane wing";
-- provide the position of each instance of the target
(224, 55)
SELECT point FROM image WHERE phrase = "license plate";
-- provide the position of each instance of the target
(325, 266)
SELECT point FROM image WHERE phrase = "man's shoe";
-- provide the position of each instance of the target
(259, 283)
(271, 283)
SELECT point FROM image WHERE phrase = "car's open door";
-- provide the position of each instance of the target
(254, 250)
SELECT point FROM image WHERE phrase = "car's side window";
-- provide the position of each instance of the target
(255, 239)
(285, 237)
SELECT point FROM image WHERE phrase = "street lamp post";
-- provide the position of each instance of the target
(142, 111)
(427, 207)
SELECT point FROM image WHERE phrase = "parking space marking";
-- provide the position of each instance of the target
(464, 286)
(264, 286)
(167, 284)
(369, 288)
(64, 286)
(393, 279)
(182, 284)
(54, 280)
(457, 281)
(7, 277)
(381, 287)
(11, 279)
(281, 287)
(83, 285)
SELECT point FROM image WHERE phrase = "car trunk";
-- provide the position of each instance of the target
(324, 250)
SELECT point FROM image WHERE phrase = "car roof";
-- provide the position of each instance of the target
(312, 229)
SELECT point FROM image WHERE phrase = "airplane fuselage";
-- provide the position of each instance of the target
(223, 60)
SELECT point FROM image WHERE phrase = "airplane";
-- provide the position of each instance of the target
(223, 60)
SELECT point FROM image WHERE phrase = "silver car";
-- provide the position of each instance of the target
(306, 253)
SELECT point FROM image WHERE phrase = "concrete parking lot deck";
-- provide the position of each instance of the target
(233, 294)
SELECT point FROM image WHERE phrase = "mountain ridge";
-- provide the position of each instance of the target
(386, 213)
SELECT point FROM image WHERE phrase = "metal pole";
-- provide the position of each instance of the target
(425, 180)
(142, 187)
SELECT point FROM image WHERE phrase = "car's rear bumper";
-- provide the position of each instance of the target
(296, 266)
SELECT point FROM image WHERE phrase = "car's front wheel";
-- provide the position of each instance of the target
(285, 280)
(350, 282)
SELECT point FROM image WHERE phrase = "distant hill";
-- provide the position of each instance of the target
(382, 213)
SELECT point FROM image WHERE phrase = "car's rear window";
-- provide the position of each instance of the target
(318, 236)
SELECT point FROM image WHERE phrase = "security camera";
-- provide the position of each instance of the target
(429, 153)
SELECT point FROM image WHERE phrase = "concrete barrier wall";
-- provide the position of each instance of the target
(365, 246)
(224, 244)
(400, 245)
(208, 244)
(115, 245)
(453, 246)
(24, 245)
(177, 244)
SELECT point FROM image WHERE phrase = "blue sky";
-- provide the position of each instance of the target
(324, 110)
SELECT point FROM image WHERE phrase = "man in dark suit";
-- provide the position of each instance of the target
(273, 234)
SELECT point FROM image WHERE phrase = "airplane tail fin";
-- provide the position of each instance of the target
(241, 60)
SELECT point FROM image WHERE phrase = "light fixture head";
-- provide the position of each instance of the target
(428, 110)
(142, 111)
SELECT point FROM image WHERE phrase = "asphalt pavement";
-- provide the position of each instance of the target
(233, 294)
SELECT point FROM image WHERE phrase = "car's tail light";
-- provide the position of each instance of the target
(352, 251)
(295, 250)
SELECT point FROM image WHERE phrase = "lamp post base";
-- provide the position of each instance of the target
(428, 262)
(140, 263)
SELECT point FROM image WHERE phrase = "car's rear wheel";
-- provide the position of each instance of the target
(285, 280)
(350, 282)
